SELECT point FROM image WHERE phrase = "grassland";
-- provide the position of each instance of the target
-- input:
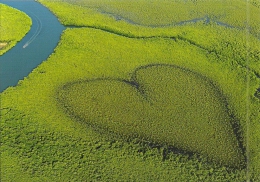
(41, 142)
(14, 25)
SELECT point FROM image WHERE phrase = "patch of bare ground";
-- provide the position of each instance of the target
(3, 45)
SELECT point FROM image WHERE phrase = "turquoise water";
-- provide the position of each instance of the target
(34, 48)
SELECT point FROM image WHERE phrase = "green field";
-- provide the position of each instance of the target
(14, 25)
(163, 104)
(125, 98)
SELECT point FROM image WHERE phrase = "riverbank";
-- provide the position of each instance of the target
(14, 26)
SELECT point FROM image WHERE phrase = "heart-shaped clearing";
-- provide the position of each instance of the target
(162, 103)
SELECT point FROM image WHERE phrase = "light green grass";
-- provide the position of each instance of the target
(47, 144)
(14, 25)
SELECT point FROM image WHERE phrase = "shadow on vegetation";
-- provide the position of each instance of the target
(257, 93)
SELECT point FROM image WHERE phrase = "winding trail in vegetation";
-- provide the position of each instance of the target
(205, 19)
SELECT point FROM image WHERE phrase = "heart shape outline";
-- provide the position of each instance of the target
(134, 84)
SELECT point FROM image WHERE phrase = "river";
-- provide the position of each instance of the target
(34, 48)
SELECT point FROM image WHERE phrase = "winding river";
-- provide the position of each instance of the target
(34, 48)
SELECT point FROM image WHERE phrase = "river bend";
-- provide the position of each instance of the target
(34, 48)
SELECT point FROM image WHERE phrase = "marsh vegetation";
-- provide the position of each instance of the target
(122, 89)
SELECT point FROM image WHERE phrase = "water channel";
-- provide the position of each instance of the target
(34, 48)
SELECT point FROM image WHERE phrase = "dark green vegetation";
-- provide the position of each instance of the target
(162, 104)
(40, 142)
(14, 25)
